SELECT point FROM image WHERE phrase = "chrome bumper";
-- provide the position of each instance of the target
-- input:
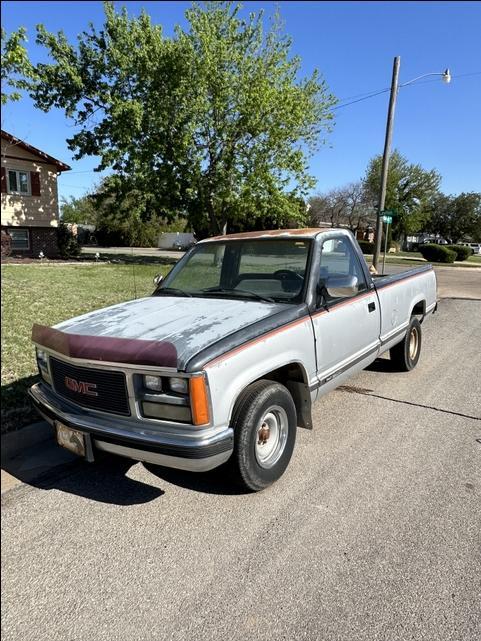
(196, 451)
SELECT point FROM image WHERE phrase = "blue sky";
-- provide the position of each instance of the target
(353, 45)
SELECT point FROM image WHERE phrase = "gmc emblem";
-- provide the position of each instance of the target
(80, 387)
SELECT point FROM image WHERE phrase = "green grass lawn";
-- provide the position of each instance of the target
(48, 294)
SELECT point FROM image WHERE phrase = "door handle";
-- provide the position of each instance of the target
(371, 307)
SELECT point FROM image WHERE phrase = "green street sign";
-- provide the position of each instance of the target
(387, 219)
(388, 212)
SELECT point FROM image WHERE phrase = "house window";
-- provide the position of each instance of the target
(20, 239)
(19, 182)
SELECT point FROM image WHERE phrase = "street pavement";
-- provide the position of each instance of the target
(372, 534)
(452, 282)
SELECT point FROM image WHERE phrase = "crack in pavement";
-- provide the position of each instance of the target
(351, 389)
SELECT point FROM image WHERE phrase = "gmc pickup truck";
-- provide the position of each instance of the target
(224, 360)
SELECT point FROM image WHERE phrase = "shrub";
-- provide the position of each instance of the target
(462, 252)
(68, 246)
(129, 232)
(437, 253)
(366, 247)
(6, 244)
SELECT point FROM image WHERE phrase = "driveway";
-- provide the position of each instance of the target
(372, 533)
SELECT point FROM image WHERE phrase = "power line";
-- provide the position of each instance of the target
(85, 171)
(363, 97)
(371, 95)
(75, 186)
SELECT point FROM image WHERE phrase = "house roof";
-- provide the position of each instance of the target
(309, 232)
(33, 150)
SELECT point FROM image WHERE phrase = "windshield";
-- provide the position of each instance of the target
(272, 270)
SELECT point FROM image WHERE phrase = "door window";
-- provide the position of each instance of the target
(338, 259)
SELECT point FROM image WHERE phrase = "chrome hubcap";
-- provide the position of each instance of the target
(413, 343)
(271, 436)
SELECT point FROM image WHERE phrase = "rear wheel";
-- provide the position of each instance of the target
(405, 355)
(265, 422)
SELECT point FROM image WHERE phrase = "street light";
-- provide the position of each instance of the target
(446, 77)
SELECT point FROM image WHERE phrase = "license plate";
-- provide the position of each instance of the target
(72, 440)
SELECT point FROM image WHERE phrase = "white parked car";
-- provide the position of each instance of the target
(476, 247)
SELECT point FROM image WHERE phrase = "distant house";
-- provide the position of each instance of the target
(29, 197)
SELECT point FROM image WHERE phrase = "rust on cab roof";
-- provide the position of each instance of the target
(308, 232)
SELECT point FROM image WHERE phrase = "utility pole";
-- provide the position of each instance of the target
(385, 158)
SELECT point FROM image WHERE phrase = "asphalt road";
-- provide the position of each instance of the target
(372, 533)
(452, 282)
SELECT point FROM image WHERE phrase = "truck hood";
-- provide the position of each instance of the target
(189, 325)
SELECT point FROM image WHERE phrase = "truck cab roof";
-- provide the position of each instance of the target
(308, 232)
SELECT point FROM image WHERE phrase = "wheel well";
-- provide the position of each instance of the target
(291, 372)
(419, 309)
(294, 377)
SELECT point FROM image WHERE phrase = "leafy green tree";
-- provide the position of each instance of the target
(16, 67)
(78, 210)
(457, 218)
(125, 215)
(215, 121)
(411, 191)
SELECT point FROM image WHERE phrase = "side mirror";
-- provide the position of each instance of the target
(158, 278)
(342, 286)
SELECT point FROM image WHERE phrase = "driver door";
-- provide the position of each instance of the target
(347, 327)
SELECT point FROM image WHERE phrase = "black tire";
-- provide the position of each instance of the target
(405, 355)
(246, 465)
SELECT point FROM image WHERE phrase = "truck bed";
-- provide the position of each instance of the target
(400, 294)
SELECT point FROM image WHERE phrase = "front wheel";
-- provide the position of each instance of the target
(405, 355)
(265, 422)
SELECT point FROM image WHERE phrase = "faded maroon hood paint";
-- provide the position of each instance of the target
(159, 330)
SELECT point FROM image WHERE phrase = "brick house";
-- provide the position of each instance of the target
(30, 210)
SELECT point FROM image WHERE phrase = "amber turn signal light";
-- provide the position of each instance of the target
(199, 400)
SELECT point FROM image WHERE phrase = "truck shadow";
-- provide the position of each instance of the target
(381, 365)
(108, 480)
(104, 482)
(216, 481)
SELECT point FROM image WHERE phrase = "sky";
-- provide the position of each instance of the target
(353, 45)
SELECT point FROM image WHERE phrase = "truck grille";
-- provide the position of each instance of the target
(93, 388)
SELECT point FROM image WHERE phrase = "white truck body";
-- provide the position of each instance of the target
(337, 320)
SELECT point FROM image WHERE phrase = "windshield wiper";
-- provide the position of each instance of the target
(237, 292)
(172, 290)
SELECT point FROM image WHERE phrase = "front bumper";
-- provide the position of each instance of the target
(196, 451)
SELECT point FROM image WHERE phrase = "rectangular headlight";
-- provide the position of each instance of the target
(153, 383)
(167, 412)
(179, 385)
